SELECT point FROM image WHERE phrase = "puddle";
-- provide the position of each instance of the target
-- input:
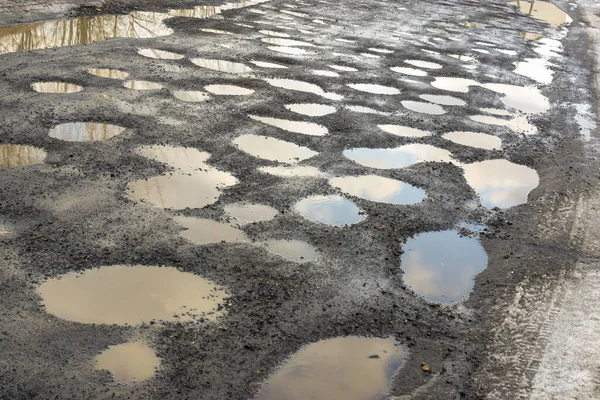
(345, 40)
(379, 189)
(501, 183)
(222, 65)
(495, 111)
(507, 52)
(424, 64)
(301, 86)
(544, 11)
(16, 155)
(369, 55)
(292, 172)
(474, 139)
(264, 64)
(217, 31)
(443, 100)
(536, 69)
(286, 42)
(423, 107)
(344, 368)
(404, 131)
(399, 157)
(85, 131)
(380, 50)
(375, 89)
(482, 51)
(82, 31)
(160, 54)
(518, 123)
(142, 85)
(454, 84)
(342, 68)
(129, 362)
(185, 159)
(207, 231)
(228, 90)
(527, 99)
(272, 149)
(409, 71)
(108, 73)
(289, 50)
(191, 96)
(244, 214)
(304, 128)
(311, 109)
(364, 110)
(56, 87)
(323, 72)
(292, 250)
(331, 210)
(130, 295)
(440, 266)
(274, 33)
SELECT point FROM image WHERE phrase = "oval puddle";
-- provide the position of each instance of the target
(274, 33)
(374, 89)
(286, 42)
(331, 210)
(304, 128)
(272, 149)
(142, 85)
(290, 50)
(474, 139)
(85, 131)
(380, 50)
(56, 87)
(409, 71)
(128, 362)
(17, 155)
(217, 31)
(265, 64)
(160, 54)
(399, 157)
(322, 72)
(424, 64)
(379, 189)
(311, 109)
(222, 65)
(423, 107)
(228, 90)
(404, 131)
(443, 100)
(207, 231)
(108, 73)
(191, 96)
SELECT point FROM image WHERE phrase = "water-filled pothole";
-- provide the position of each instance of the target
(423, 107)
(142, 85)
(374, 89)
(222, 65)
(56, 87)
(380, 50)
(331, 210)
(460, 85)
(404, 131)
(324, 72)
(379, 189)
(440, 266)
(264, 64)
(424, 64)
(344, 368)
(108, 73)
(293, 250)
(311, 109)
(228, 90)
(129, 362)
(17, 155)
(207, 231)
(304, 128)
(409, 71)
(191, 96)
(272, 149)
(160, 54)
(132, 295)
(544, 11)
(398, 157)
(443, 100)
(217, 31)
(518, 123)
(85, 131)
(474, 139)
(501, 183)
(244, 214)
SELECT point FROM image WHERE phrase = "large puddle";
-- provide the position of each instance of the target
(501, 183)
(222, 65)
(300, 86)
(272, 149)
(345, 368)
(404, 131)
(293, 250)
(374, 89)
(379, 189)
(207, 231)
(544, 11)
(330, 210)
(56, 87)
(16, 155)
(85, 131)
(244, 214)
(398, 157)
(131, 295)
(129, 362)
(474, 139)
(440, 266)
(304, 128)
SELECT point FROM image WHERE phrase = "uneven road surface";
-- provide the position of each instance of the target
(301, 199)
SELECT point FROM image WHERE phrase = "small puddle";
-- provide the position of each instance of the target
(304, 128)
(142, 85)
(344, 368)
(292, 250)
(399, 157)
(501, 183)
(289, 50)
(131, 295)
(380, 50)
(160, 54)
(409, 71)
(404, 131)
(460, 85)
(222, 65)
(228, 90)
(331, 210)
(272, 149)
(16, 155)
(311, 109)
(301, 86)
(443, 100)
(207, 231)
(292, 172)
(85, 131)
(424, 64)
(244, 214)
(423, 107)
(286, 42)
(56, 87)
(191, 96)
(108, 73)
(264, 64)
(374, 89)
(342, 68)
(379, 189)
(274, 33)
(217, 31)
(474, 139)
(341, 40)
(440, 266)
(544, 11)
(324, 72)
(129, 362)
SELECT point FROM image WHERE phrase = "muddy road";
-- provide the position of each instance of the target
(298, 199)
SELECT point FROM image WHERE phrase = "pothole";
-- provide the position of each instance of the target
(331, 210)
(292, 250)
(443, 100)
(518, 123)
(424, 64)
(85, 131)
(441, 266)
(399, 157)
(474, 139)
(379, 189)
(17, 155)
(191, 96)
(222, 65)
(56, 87)
(228, 90)
(311, 109)
(374, 89)
(272, 149)
(423, 107)
(207, 231)
(381, 50)
(129, 362)
(264, 64)
(274, 33)
(404, 131)
(544, 11)
(142, 85)
(243, 214)
(160, 54)
(460, 85)
(304, 128)
(409, 71)
(344, 368)
(324, 72)
(131, 295)
(108, 73)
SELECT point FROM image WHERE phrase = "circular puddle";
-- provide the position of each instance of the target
(85, 131)
(56, 87)
(379, 189)
(331, 210)
(222, 65)
(409, 71)
(128, 362)
(17, 155)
